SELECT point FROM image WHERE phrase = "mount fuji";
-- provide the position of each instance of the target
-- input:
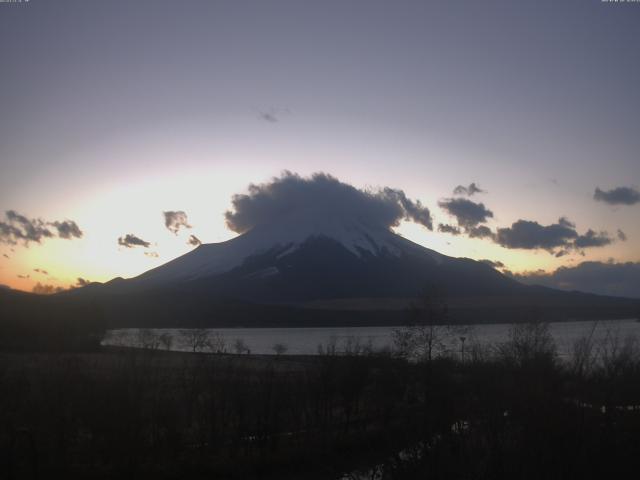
(305, 270)
(306, 259)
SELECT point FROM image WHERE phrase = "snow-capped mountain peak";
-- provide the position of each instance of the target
(283, 237)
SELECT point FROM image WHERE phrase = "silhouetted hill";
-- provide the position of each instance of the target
(306, 274)
(324, 281)
(49, 322)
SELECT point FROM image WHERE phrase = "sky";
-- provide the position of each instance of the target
(114, 112)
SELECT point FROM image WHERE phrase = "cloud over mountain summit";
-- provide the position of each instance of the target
(323, 196)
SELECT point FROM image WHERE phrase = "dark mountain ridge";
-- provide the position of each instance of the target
(341, 275)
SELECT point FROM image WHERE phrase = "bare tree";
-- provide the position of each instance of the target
(425, 337)
(584, 356)
(240, 346)
(280, 348)
(330, 348)
(617, 353)
(166, 339)
(148, 339)
(196, 338)
(216, 343)
(529, 343)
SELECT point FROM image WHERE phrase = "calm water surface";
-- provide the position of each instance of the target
(306, 341)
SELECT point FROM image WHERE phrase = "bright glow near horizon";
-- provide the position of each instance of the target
(138, 209)
(114, 112)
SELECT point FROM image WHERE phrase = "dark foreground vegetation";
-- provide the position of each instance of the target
(511, 412)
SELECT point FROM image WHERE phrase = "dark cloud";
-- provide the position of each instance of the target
(152, 254)
(565, 222)
(622, 236)
(619, 279)
(293, 197)
(39, 270)
(531, 235)
(413, 211)
(467, 213)
(481, 231)
(268, 117)
(130, 241)
(618, 196)
(452, 229)
(472, 189)
(194, 241)
(82, 282)
(558, 238)
(4, 287)
(44, 289)
(18, 228)
(174, 221)
(273, 115)
(492, 263)
(67, 229)
(592, 239)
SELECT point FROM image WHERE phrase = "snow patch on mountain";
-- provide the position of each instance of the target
(283, 237)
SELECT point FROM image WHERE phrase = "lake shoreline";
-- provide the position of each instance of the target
(311, 341)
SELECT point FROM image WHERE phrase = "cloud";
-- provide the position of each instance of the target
(5, 255)
(558, 238)
(472, 189)
(445, 228)
(592, 239)
(67, 229)
(18, 228)
(565, 222)
(152, 254)
(130, 241)
(174, 221)
(44, 289)
(82, 282)
(480, 231)
(273, 115)
(413, 211)
(4, 287)
(194, 241)
(293, 197)
(622, 236)
(268, 117)
(24, 277)
(468, 214)
(492, 263)
(527, 234)
(611, 278)
(618, 196)
(39, 270)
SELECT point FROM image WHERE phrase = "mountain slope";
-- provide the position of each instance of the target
(309, 272)
(282, 237)
(313, 261)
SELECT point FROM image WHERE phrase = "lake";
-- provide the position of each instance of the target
(306, 341)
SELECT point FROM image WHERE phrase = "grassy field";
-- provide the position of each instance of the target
(514, 412)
